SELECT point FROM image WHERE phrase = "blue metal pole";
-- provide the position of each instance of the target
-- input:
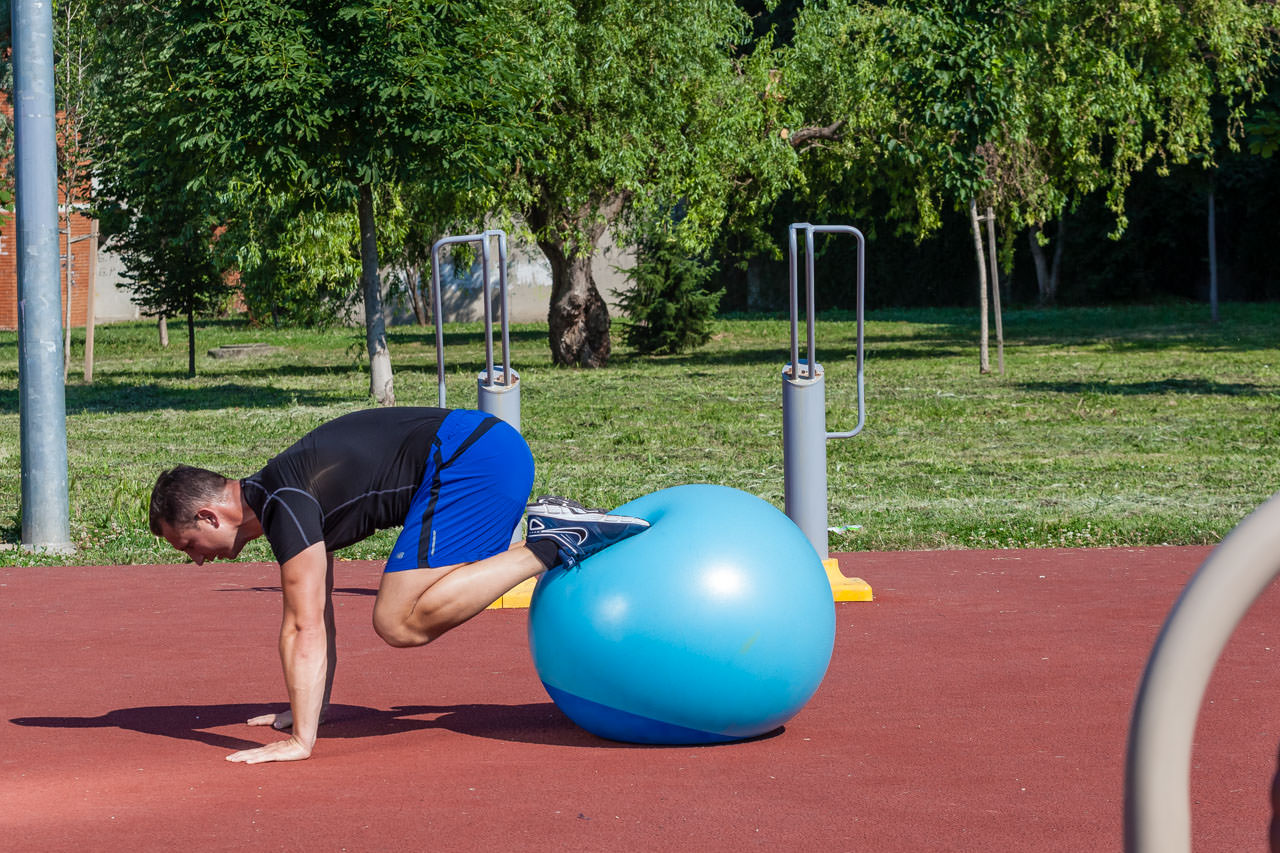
(42, 401)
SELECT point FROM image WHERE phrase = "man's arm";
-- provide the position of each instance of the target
(284, 719)
(304, 645)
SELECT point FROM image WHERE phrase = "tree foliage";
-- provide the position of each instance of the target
(166, 246)
(364, 129)
(327, 100)
(1025, 105)
(648, 114)
(296, 261)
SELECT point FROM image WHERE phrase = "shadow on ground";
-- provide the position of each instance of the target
(536, 722)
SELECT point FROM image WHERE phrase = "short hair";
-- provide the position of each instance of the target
(180, 492)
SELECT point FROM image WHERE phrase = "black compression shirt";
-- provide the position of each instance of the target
(343, 480)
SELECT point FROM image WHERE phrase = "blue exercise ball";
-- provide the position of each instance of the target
(714, 625)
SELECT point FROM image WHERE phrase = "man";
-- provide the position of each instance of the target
(457, 481)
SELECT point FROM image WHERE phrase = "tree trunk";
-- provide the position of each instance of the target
(994, 259)
(1213, 257)
(413, 278)
(1047, 275)
(984, 358)
(578, 318)
(191, 342)
(1041, 265)
(1055, 271)
(162, 326)
(70, 277)
(380, 378)
(90, 311)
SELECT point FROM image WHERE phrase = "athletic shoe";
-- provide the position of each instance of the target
(554, 504)
(577, 531)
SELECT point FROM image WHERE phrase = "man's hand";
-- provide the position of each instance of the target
(284, 719)
(282, 750)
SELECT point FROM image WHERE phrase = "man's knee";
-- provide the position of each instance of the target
(398, 633)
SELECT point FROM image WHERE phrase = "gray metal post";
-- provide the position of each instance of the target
(804, 453)
(498, 388)
(804, 405)
(42, 401)
(1157, 813)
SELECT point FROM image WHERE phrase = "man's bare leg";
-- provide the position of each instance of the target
(416, 606)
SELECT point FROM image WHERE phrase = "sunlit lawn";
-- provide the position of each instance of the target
(1123, 426)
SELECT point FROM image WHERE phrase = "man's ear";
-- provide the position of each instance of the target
(207, 514)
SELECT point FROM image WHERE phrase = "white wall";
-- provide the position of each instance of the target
(528, 286)
(111, 301)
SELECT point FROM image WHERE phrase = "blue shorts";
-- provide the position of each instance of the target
(472, 496)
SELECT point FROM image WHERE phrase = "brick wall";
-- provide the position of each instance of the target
(80, 282)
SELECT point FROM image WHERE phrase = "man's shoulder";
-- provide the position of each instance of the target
(268, 485)
(290, 515)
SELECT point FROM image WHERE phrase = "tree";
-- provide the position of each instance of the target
(331, 100)
(167, 253)
(159, 218)
(75, 88)
(6, 121)
(1020, 106)
(669, 308)
(1112, 91)
(648, 116)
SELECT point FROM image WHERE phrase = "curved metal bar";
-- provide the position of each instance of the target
(502, 293)
(810, 314)
(861, 310)
(795, 300)
(1157, 814)
(810, 319)
(488, 305)
(437, 302)
(804, 411)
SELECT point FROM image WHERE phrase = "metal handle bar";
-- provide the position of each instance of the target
(437, 306)
(502, 295)
(1157, 812)
(811, 364)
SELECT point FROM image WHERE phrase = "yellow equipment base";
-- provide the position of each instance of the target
(843, 588)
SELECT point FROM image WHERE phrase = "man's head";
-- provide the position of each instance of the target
(198, 512)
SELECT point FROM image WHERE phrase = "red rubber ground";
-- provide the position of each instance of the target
(981, 703)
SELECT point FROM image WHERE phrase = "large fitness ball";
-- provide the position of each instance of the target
(713, 625)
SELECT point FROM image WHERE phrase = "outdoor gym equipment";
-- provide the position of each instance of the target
(1157, 815)
(804, 405)
(498, 388)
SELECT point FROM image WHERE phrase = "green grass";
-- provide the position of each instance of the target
(1118, 426)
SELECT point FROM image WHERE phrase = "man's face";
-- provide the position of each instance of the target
(210, 538)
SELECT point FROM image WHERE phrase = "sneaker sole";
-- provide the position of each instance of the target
(553, 511)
